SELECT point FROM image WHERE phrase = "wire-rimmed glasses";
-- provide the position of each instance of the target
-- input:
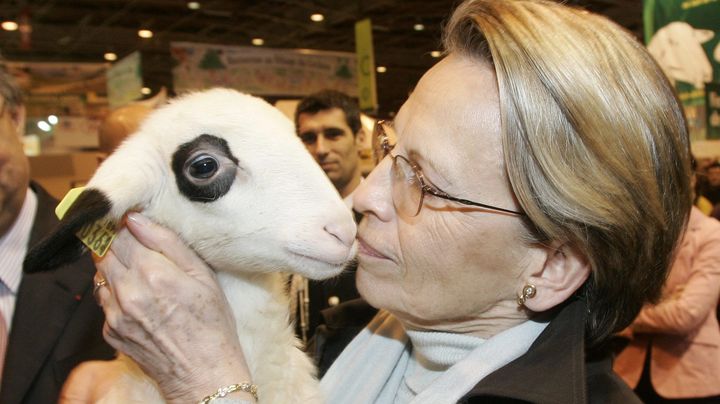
(409, 185)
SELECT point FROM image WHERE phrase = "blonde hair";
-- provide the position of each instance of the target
(594, 142)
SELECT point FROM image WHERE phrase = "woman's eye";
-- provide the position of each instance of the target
(203, 167)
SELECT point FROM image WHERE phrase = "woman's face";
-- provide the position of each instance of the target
(452, 267)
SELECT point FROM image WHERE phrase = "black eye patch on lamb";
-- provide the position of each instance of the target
(204, 168)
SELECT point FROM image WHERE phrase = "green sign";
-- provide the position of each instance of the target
(684, 37)
(712, 100)
(367, 90)
(124, 80)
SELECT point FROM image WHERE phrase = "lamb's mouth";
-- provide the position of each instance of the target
(305, 257)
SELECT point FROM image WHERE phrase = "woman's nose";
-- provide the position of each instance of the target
(374, 195)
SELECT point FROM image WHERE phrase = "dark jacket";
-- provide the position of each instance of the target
(553, 371)
(56, 325)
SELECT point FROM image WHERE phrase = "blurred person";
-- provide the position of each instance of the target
(500, 261)
(674, 350)
(699, 201)
(328, 123)
(52, 319)
(711, 186)
(124, 121)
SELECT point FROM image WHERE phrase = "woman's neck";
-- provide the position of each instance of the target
(499, 318)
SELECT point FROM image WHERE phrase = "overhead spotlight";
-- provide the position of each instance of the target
(145, 33)
(110, 56)
(419, 27)
(193, 5)
(44, 126)
(317, 17)
(258, 41)
(381, 69)
(9, 25)
(435, 54)
(53, 119)
(145, 91)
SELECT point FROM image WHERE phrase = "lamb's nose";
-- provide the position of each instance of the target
(344, 230)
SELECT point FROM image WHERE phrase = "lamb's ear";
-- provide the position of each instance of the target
(62, 245)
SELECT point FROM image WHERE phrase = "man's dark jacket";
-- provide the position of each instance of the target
(555, 370)
(56, 325)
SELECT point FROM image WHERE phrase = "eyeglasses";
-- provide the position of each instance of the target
(409, 185)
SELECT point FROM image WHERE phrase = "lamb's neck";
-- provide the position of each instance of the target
(260, 305)
(255, 296)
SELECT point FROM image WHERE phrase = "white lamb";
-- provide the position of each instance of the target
(226, 171)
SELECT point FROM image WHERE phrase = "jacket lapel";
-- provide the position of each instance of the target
(552, 371)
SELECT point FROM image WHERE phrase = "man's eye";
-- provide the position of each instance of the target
(333, 133)
(308, 137)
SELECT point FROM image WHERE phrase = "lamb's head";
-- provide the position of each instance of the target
(226, 171)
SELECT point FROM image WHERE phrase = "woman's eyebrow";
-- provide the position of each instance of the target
(427, 166)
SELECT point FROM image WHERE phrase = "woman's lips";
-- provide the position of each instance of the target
(366, 249)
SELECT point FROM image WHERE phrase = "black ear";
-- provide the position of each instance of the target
(62, 246)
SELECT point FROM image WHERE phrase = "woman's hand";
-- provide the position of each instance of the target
(165, 309)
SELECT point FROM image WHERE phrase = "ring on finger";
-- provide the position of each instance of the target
(98, 284)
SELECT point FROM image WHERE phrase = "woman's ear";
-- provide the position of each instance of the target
(565, 270)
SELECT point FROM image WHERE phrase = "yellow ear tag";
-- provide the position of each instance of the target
(98, 235)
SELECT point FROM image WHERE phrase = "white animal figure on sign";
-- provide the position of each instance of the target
(226, 171)
(677, 47)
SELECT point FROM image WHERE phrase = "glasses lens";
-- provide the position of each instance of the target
(406, 187)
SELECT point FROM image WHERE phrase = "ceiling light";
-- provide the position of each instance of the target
(317, 17)
(145, 90)
(53, 119)
(9, 25)
(145, 33)
(381, 69)
(418, 27)
(193, 5)
(110, 56)
(258, 41)
(435, 54)
(44, 126)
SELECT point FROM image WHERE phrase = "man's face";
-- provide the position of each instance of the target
(331, 142)
(713, 176)
(14, 168)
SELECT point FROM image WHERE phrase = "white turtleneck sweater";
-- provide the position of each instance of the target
(387, 364)
(432, 354)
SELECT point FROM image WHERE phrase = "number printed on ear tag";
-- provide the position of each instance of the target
(97, 235)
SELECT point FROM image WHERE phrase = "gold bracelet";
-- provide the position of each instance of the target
(224, 391)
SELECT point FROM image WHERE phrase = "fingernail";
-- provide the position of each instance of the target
(138, 219)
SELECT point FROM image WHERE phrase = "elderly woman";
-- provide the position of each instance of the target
(529, 208)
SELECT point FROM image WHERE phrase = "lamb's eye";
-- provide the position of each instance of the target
(203, 167)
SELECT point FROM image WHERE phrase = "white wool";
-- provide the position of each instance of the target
(280, 214)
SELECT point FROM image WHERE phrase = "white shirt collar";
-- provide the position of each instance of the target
(14, 243)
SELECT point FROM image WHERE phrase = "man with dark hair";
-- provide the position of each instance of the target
(328, 122)
(49, 322)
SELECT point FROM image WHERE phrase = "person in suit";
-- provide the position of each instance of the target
(328, 123)
(674, 348)
(50, 321)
